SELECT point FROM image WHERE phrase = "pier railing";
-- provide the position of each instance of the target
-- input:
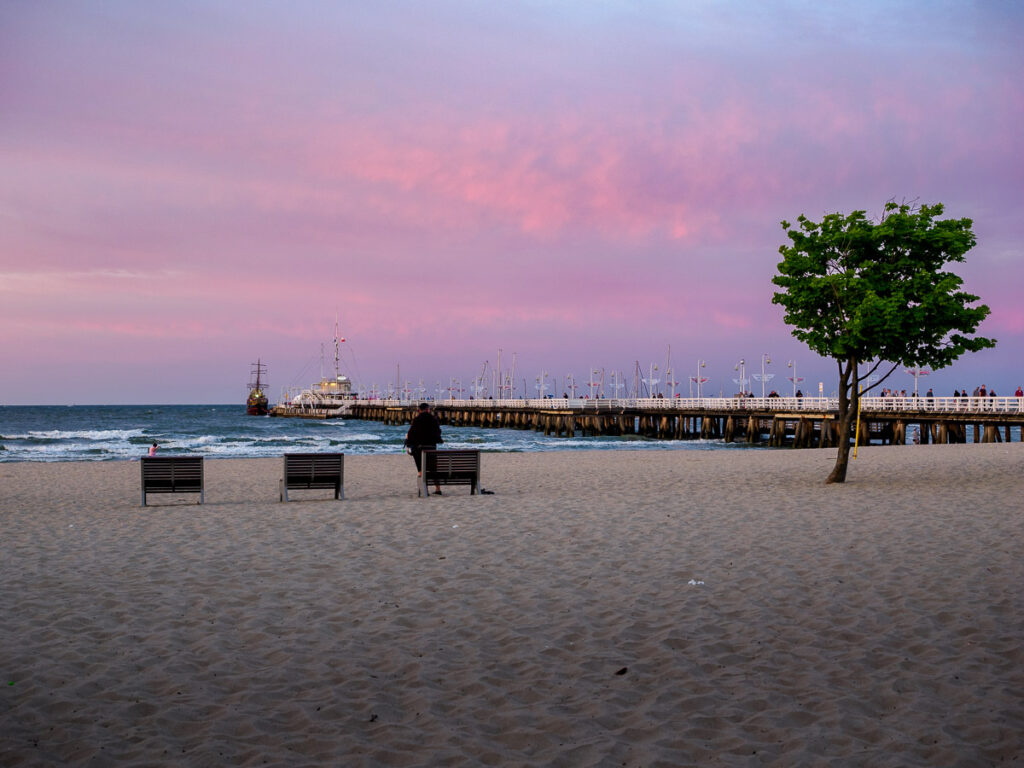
(962, 405)
(944, 404)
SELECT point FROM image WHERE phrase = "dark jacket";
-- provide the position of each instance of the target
(424, 430)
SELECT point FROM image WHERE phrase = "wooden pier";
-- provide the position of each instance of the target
(773, 421)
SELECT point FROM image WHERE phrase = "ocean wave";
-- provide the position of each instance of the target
(107, 433)
(85, 434)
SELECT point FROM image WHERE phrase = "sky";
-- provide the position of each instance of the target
(188, 187)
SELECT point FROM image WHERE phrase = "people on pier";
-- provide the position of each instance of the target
(424, 434)
(1019, 392)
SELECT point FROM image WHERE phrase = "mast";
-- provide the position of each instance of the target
(336, 348)
(257, 368)
(668, 373)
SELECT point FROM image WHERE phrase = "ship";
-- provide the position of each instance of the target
(329, 398)
(257, 403)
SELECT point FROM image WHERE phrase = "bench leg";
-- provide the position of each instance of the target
(421, 487)
(284, 491)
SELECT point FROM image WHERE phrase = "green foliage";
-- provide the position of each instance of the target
(855, 290)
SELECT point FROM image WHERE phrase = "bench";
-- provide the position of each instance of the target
(303, 471)
(450, 468)
(172, 474)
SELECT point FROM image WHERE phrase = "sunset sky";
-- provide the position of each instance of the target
(187, 187)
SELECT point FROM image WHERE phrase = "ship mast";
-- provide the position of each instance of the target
(257, 370)
(336, 352)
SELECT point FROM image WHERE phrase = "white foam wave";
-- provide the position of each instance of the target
(275, 439)
(85, 434)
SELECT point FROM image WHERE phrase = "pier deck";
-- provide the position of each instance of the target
(799, 422)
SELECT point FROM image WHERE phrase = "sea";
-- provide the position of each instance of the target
(124, 432)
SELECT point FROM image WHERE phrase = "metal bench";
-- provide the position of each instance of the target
(450, 468)
(172, 474)
(303, 471)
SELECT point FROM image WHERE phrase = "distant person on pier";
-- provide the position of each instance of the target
(424, 435)
(1019, 392)
(799, 393)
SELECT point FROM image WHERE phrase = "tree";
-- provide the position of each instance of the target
(874, 294)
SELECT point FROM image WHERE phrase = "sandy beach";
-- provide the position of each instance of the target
(648, 608)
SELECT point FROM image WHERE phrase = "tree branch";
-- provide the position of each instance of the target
(894, 367)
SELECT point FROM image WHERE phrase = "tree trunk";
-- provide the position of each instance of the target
(838, 474)
(848, 384)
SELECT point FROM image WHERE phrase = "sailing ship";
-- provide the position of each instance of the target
(257, 403)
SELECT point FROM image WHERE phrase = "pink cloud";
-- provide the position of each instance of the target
(1006, 319)
(731, 320)
(547, 191)
(542, 180)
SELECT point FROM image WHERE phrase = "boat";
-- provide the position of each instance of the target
(329, 398)
(257, 403)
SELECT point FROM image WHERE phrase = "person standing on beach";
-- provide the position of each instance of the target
(424, 434)
(152, 450)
